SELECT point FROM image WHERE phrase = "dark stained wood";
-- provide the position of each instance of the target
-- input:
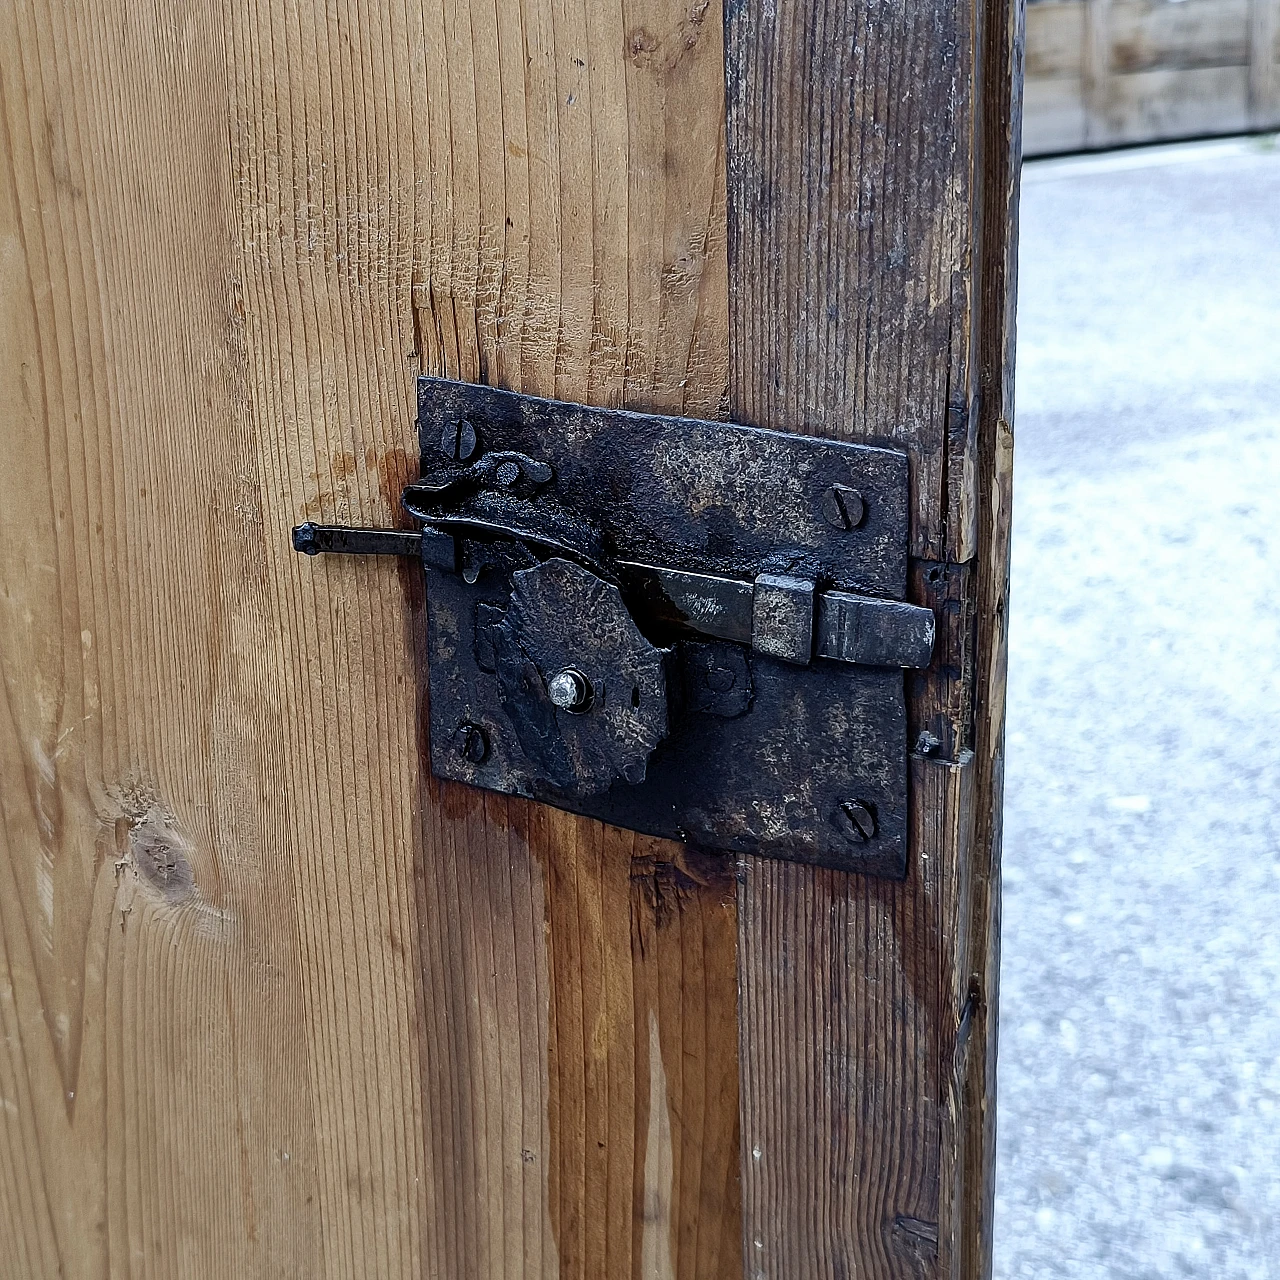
(870, 243)
(849, 146)
(996, 273)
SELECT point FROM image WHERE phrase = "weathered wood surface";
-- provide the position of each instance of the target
(1106, 72)
(871, 193)
(272, 1003)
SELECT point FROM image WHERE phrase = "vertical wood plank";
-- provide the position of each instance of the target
(848, 179)
(1264, 73)
(273, 1003)
(996, 273)
(582, 255)
(1096, 73)
(866, 184)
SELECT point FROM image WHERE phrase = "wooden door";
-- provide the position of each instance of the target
(274, 1002)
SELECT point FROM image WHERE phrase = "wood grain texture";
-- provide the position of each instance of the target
(994, 341)
(1178, 36)
(580, 253)
(273, 1003)
(844, 248)
(869, 214)
(1055, 42)
(853, 1001)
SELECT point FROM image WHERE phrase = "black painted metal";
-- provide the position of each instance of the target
(693, 629)
(709, 497)
(312, 539)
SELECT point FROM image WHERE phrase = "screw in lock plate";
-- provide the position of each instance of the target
(458, 440)
(857, 820)
(719, 678)
(471, 742)
(843, 507)
(570, 690)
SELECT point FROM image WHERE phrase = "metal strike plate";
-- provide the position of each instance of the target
(691, 629)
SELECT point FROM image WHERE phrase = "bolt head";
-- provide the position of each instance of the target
(306, 540)
(857, 820)
(471, 742)
(570, 690)
(719, 678)
(843, 507)
(507, 473)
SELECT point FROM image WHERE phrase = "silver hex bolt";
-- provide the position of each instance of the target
(570, 690)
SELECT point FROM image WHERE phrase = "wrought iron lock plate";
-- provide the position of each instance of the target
(691, 629)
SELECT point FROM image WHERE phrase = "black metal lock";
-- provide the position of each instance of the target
(693, 629)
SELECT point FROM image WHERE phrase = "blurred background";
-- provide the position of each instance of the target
(1102, 73)
(1139, 1103)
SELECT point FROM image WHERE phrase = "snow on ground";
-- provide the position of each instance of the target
(1139, 1106)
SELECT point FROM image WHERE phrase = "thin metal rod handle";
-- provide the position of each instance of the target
(312, 539)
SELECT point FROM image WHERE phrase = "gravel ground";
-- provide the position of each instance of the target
(1139, 1106)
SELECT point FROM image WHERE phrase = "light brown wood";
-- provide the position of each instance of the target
(1179, 104)
(272, 1002)
(577, 250)
(1055, 40)
(1096, 78)
(1149, 35)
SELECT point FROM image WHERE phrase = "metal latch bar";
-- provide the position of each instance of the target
(846, 627)
(311, 539)
(840, 626)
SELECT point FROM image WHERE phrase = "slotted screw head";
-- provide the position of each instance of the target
(471, 742)
(458, 441)
(857, 820)
(843, 507)
(570, 690)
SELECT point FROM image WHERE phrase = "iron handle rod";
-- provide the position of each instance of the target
(311, 539)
